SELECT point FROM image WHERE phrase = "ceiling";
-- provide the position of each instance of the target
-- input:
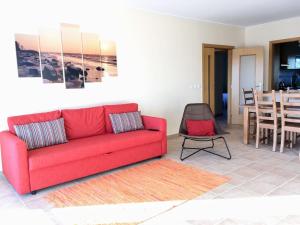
(234, 12)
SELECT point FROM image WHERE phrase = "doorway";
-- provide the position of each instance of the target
(247, 74)
(221, 85)
(216, 91)
(284, 64)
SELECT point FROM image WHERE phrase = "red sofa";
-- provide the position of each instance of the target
(92, 147)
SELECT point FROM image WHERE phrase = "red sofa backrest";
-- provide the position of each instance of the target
(84, 122)
(31, 118)
(121, 108)
(79, 123)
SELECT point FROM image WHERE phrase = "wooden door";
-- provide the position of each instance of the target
(209, 77)
(247, 73)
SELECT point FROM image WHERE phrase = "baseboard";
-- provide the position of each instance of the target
(171, 136)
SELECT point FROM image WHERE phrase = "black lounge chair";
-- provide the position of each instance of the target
(200, 111)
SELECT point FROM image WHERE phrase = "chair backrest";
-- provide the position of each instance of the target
(290, 91)
(265, 105)
(290, 110)
(248, 96)
(198, 111)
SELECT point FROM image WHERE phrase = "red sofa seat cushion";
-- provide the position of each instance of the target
(31, 118)
(84, 122)
(200, 127)
(78, 149)
(121, 108)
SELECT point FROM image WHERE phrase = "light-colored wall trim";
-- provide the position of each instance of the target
(172, 136)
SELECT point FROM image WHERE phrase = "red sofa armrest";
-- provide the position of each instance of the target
(154, 123)
(159, 124)
(15, 161)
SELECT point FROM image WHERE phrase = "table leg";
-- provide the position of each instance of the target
(246, 125)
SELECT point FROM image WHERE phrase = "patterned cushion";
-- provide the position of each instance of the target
(42, 134)
(123, 122)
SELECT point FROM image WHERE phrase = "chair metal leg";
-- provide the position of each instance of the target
(182, 148)
(225, 142)
(204, 149)
(228, 151)
(198, 149)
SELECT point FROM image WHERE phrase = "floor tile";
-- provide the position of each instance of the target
(292, 187)
(290, 220)
(258, 187)
(223, 188)
(271, 178)
(280, 192)
(247, 172)
(236, 193)
(208, 195)
(236, 179)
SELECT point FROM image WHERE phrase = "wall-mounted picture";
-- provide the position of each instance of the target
(51, 57)
(28, 59)
(93, 70)
(66, 55)
(109, 57)
(72, 55)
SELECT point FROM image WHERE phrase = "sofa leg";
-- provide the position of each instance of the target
(33, 192)
(159, 157)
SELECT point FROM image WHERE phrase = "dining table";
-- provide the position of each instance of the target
(250, 108)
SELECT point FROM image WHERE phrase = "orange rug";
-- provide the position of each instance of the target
(159, 180)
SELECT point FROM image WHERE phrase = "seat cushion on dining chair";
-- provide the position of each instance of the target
(200, 127)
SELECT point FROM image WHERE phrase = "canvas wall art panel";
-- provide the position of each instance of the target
(93, 70)
(28, 58)
(72, 55)
(109, 57)
(51, 56)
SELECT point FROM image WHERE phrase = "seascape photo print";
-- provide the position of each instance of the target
(109, 57)
(51, 57)
(93, 71)
(72, 55)
(66, 55)
(28, 58)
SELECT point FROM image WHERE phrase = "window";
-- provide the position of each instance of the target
(293, 62)
(297, 64)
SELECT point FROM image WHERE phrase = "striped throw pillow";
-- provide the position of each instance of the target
(42, 134)
(123, 122)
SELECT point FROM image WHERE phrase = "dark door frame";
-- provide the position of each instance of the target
(271, 57)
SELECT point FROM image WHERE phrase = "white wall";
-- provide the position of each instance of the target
(159, 58)
(260, 35)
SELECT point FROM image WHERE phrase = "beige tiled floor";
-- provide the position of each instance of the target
(255, 174)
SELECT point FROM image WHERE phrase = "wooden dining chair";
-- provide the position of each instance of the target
(248, 96)
(266, 117)
(291, 137)
(290, 117)
(249, 100)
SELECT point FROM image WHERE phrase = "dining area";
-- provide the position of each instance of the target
(271, 117)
